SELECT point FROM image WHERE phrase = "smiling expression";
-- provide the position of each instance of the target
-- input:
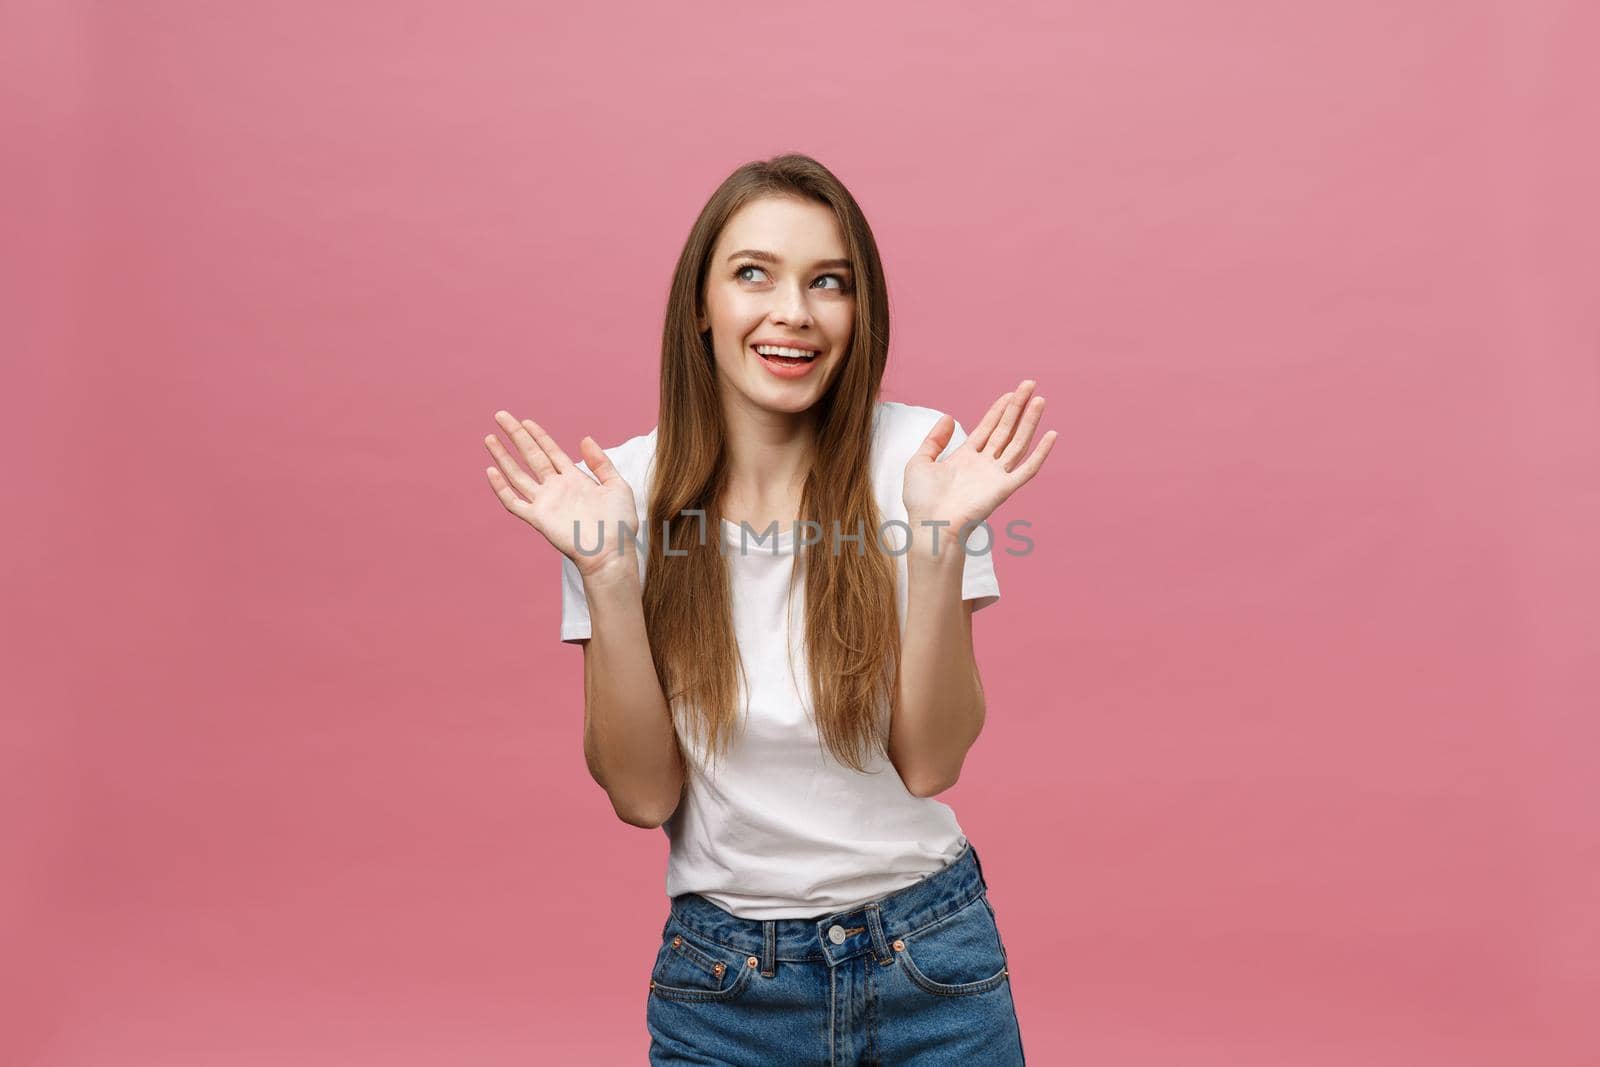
(779, 274)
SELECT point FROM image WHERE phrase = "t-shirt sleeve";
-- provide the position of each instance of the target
(978, 580)
(574, 604)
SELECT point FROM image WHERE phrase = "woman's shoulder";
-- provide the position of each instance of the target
(897, 418)
(900, 428)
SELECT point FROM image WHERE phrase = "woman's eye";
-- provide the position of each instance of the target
(739, 274)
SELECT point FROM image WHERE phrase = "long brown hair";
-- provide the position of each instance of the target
(852, 629)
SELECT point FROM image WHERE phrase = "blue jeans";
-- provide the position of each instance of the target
(917, 977)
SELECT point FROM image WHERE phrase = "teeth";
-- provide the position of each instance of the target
(792, 353)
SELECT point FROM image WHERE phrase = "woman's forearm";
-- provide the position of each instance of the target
(628, 737)
(940, 711)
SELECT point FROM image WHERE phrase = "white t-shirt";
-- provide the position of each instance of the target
(778, 828)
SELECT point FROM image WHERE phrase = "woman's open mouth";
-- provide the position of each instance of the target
(785, 362)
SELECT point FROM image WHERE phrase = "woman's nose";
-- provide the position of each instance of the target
(792, 308)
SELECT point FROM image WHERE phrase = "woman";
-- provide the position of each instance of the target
(785, 697)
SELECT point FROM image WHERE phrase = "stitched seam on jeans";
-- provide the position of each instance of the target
(946, 917)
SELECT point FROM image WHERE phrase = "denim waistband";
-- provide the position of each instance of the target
(836, 936)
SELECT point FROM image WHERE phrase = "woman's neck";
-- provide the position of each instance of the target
(769, 457)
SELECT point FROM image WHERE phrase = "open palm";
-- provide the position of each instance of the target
(554, 494)
(979, 474)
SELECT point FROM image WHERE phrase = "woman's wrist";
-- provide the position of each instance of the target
(620, 570)
(939, 540)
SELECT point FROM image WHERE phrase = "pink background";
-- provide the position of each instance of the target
(1291, 738)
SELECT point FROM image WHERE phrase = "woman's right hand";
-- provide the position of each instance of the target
(557, 494)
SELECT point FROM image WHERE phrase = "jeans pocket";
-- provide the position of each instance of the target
(690, 968)
(959, 955)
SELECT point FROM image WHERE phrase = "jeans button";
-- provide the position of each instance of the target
(836, 933)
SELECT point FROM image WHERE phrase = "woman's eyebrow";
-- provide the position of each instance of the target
(768, 257)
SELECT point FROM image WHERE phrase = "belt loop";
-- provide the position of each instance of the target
(769, 947)
(979, 864)
(880, 944)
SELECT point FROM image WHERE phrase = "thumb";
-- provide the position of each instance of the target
(937, 438)
(598, 461)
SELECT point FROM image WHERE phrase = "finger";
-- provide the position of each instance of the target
(508, 496)
(1036, 460)
(937, 438)
(980, 433)
(562, 463)
(1023, 438)
(512, 471)
(1008, 419)
(532, 454)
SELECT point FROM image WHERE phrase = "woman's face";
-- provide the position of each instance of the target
(779, 275)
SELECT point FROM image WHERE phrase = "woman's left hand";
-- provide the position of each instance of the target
(991, 464)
